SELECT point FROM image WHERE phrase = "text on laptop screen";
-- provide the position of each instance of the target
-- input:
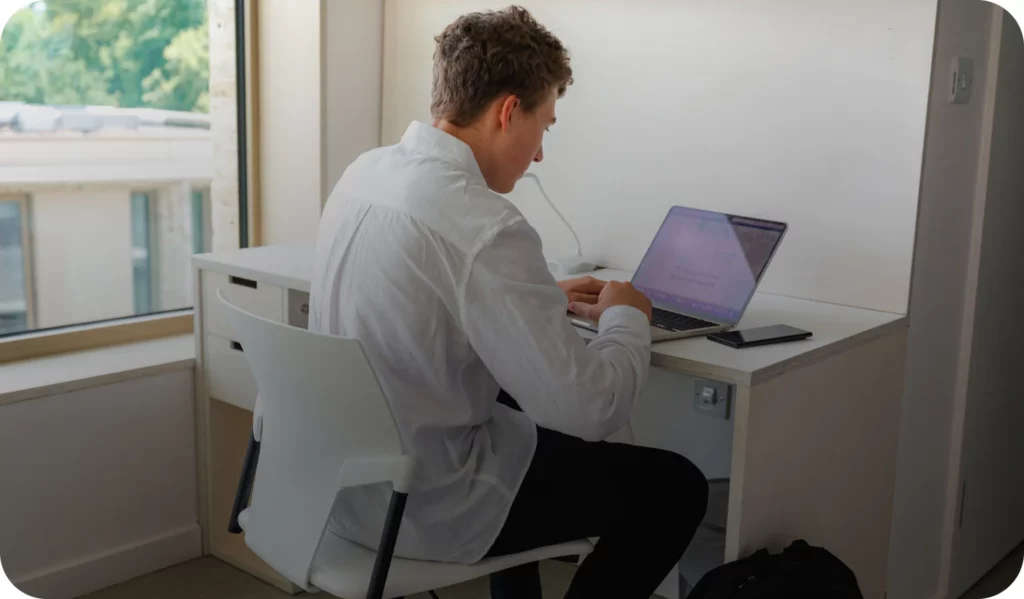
(707, 264)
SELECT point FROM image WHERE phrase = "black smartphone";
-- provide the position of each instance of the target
(760, 336)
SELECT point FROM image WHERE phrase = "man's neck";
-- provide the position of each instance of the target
(470, 137)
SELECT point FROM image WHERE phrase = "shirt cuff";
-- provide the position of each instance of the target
(626, 317)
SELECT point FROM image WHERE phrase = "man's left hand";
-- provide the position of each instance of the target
(582, 290)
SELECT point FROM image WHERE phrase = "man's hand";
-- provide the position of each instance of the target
(613, 294)
(583, 290)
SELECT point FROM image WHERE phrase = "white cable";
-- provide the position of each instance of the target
(536, 179)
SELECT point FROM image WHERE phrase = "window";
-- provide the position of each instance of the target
(105, 133)
(142, 258)
(14, 301)
(202, 232)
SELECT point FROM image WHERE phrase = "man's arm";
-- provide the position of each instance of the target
(515, 316)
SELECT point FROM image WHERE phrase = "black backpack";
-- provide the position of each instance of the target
(800, 571)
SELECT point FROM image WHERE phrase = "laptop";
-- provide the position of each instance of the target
(701, 271)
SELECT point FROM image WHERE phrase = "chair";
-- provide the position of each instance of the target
(321, 424)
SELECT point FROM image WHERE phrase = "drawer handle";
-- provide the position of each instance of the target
(237, 346)
(243, 282)
(304, 309)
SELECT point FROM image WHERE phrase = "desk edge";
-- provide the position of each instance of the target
(262, 276)
(757, 377)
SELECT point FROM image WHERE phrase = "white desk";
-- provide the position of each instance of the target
(813, 431)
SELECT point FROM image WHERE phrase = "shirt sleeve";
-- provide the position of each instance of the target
(515, 317)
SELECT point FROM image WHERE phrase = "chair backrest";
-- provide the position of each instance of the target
(325, 425)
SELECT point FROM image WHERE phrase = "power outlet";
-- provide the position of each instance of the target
(712, 398)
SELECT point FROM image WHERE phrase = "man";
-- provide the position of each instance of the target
(445, 285)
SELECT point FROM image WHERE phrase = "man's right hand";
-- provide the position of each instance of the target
(613, 294)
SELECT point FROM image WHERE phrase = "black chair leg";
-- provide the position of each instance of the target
(386, 551)
(245, 481)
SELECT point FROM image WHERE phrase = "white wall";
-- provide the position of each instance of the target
(99, 485)
(993, 447)
(664, 418)
(320, 98)
(810, 112)
(290, 127)
(952, 150)
(81, 255)
(353, 40)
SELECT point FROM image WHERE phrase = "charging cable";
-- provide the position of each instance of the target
(536, 179)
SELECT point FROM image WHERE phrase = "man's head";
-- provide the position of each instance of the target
(496, 78)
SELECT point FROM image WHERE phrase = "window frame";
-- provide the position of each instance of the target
(247, 84)
(136, 328)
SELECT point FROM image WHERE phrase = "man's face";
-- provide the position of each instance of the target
(521, 141)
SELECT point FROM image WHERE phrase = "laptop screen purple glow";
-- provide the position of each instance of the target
(707, 264)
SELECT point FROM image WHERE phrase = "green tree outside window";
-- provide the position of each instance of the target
(123, 53)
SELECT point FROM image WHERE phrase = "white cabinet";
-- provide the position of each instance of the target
(252, 296)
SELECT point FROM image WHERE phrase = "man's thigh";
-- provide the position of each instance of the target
(576, 489)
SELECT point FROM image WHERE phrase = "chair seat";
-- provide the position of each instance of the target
(343, 568)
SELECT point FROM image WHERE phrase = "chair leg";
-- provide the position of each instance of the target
(245, 481)
(386, 551)
(433, 594)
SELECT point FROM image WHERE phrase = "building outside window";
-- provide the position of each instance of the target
(142, 258)
(13, 257)
(105, 142)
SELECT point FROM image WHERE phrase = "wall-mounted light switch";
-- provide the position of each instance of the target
(962, 80)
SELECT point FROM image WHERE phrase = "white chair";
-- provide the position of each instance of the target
(321, 424)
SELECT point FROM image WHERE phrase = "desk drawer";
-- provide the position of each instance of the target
(228, 377)
(258, 298)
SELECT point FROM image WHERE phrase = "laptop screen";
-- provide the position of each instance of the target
(707, 264)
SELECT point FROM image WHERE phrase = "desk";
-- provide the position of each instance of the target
(811, 445)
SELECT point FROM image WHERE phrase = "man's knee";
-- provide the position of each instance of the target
(686, 489)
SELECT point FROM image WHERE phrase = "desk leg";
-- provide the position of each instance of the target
(814, 457)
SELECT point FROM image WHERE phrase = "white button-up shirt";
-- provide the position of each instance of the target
(445, 285)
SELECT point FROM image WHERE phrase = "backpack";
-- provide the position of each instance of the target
(800, 571)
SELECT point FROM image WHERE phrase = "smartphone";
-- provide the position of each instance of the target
(759, 336)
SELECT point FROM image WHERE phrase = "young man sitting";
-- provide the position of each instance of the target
(501, 401)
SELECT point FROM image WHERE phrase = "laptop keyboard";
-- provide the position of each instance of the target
(670, 321)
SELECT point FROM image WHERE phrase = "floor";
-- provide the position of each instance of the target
(208, 578)
(1000, 578)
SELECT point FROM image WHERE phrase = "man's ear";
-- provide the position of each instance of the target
(508, 107)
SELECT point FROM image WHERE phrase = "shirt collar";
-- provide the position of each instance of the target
(432, 141)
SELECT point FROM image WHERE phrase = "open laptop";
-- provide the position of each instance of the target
(701, 271)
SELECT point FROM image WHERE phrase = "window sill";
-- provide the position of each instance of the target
(42, 344)
(50, 375)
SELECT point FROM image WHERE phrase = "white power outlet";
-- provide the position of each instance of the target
(712, 398)
(962, 80)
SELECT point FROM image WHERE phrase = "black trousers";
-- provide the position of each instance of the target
(644, 505)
